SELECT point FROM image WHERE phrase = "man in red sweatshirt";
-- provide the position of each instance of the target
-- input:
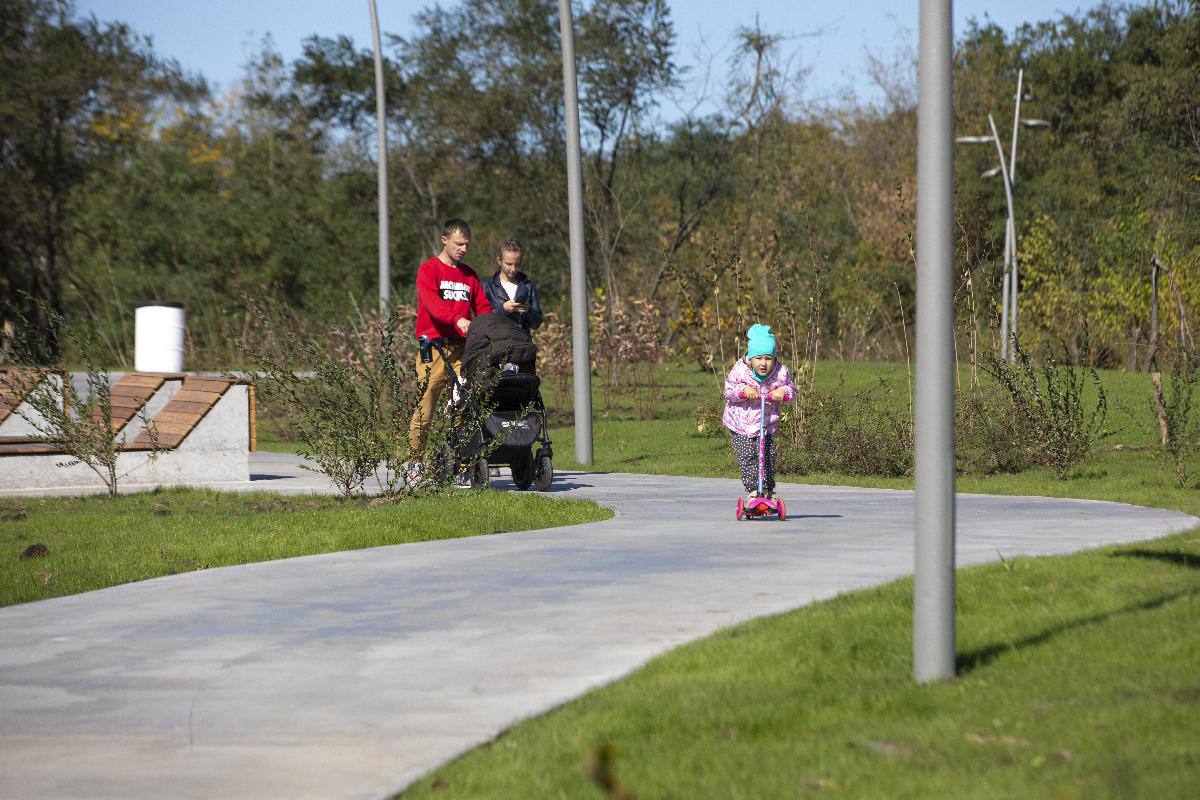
(449, 295)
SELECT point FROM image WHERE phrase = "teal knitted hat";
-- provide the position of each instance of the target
(761, 342)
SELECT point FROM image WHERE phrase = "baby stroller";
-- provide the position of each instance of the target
(502, 355)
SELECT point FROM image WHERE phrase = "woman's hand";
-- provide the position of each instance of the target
(512, 305)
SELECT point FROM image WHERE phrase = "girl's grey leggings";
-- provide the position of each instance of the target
(745, 450)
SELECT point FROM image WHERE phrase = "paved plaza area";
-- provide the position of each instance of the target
(352, 674)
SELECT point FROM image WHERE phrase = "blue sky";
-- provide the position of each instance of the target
(214, 38)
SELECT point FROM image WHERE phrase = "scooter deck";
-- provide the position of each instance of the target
(761, 507)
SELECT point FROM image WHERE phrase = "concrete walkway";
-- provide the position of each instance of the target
(350, 675)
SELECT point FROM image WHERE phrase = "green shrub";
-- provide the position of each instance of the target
(1049, 400)
(862, 433)
(1182, 424)
(349, 407)
(988, 437)
(708, 420)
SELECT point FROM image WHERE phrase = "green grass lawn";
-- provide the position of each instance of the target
(1079, 676)
(94, 542)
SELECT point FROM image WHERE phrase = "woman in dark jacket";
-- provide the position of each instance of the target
(510, 291)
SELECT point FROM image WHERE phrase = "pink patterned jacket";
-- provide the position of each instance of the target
(742, 415)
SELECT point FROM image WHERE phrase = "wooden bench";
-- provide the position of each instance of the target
(16, 384)
(129, 395)
(186, 409)
(203, 429)
(15, 387)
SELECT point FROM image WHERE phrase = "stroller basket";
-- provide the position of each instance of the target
(512, 429)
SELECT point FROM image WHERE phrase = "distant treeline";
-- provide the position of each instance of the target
(125, 178)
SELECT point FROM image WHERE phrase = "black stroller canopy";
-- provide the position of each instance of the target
(494, 340)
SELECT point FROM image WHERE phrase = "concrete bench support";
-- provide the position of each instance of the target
(203, 427)
(15, 387)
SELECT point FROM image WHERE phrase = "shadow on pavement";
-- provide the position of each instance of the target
(506, 485)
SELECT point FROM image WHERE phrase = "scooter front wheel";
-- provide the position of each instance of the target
(782, 510)
(741, 509)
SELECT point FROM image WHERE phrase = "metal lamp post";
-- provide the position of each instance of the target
(933, 574)
(580, 351)
(1008, 291)
(384, 267)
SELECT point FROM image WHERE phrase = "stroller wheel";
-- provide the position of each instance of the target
(479, 474)
(545, 474)
(522, 472)
(446, 469)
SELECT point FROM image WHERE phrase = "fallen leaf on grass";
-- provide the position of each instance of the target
(274, 504)
(438, 783)
(817, 783)
(45, 576)
(975, 738)
(889, 748)
(599, 763)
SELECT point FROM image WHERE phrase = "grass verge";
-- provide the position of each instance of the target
(1078, 678)
(95, 542)
(1077, 675)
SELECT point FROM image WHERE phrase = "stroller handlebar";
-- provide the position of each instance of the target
(428, 345)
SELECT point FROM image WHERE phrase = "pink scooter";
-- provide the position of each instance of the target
(761, 506)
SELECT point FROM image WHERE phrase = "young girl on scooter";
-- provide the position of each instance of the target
(759, 373)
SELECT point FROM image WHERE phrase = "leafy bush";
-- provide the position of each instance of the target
(555, 357)
(1182, 424)
(628, 349)
(350, 406)
(708, 420)
(857, 434)
(1049, 400)
(988, 438)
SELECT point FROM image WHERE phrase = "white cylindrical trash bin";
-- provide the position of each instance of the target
(158, 337)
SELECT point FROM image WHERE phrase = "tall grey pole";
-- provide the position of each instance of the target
(1010, 231)
(1012, 315)
(381, 123)
(1004, 302)
(1012, 152)
(933, 588)
(580, 351)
